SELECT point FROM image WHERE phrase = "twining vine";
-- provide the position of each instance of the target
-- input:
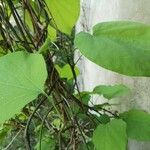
(41, 36)
(62, 92)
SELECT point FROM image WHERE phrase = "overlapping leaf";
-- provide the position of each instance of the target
(110, 92)
(22, 78)
(119, 46)
(64, 13)
(66, 71)
(138, 124)
(111, 136)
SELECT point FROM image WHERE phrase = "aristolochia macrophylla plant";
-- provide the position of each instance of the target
(40, 100)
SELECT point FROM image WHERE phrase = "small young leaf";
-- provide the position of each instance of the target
(28, 20)
(119, 46)
(138, 124)
(22, 78)
(111, 136)
(45, 47)
(52, 33)
(110, 92)
(66, 72)
(85, 97)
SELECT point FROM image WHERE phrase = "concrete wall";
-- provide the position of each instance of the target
(95, 11)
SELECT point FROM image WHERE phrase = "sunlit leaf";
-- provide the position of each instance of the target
(119, 46)
(22, 78)
(52, 34)
(110, 92)
(138, 124)
(66, 71)
(46, 46)
(64, 13)
(111, 136)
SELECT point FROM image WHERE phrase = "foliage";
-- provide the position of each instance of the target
(121, 46)
(21, 79)
(137, 124)
(42, 106)
(110, 92)
(66, 72)
(64, 14)
(111, 136)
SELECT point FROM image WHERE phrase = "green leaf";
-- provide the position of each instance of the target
(57, 124)
(28, 21)
(66, 71)
(138, 124)
(4, 131)
(47, 143)
(46, 46)
(52, 33)
(22, 78)
(110, 92)
(104, 119)
(27, 18)
(111, 136)
(2, 52)
(119, 46)
(84, 96)
(64, 13)
(84, 147)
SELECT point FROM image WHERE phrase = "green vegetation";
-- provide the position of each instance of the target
(41, 105)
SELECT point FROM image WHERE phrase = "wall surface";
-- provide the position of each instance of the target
(95, 11)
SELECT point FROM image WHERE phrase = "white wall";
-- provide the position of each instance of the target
(95, 11)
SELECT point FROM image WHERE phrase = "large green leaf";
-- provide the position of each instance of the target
(119, 46)
(22, 78)
(110, 92)
(64, 13)
(111, 136)
(138, 124)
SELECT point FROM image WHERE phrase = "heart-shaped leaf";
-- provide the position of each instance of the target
(110, 92)
(66, 72)
(22, 78)
(119, 46)
(64, 13)
(138, 124)
(110, 136)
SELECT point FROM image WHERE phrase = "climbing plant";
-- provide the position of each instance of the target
(41, 105)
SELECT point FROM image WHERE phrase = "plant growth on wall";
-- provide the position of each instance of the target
(41, 105)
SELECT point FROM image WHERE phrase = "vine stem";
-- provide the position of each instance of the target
(43, 123)
(53, 104)
(26, 134)
(7, 147)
